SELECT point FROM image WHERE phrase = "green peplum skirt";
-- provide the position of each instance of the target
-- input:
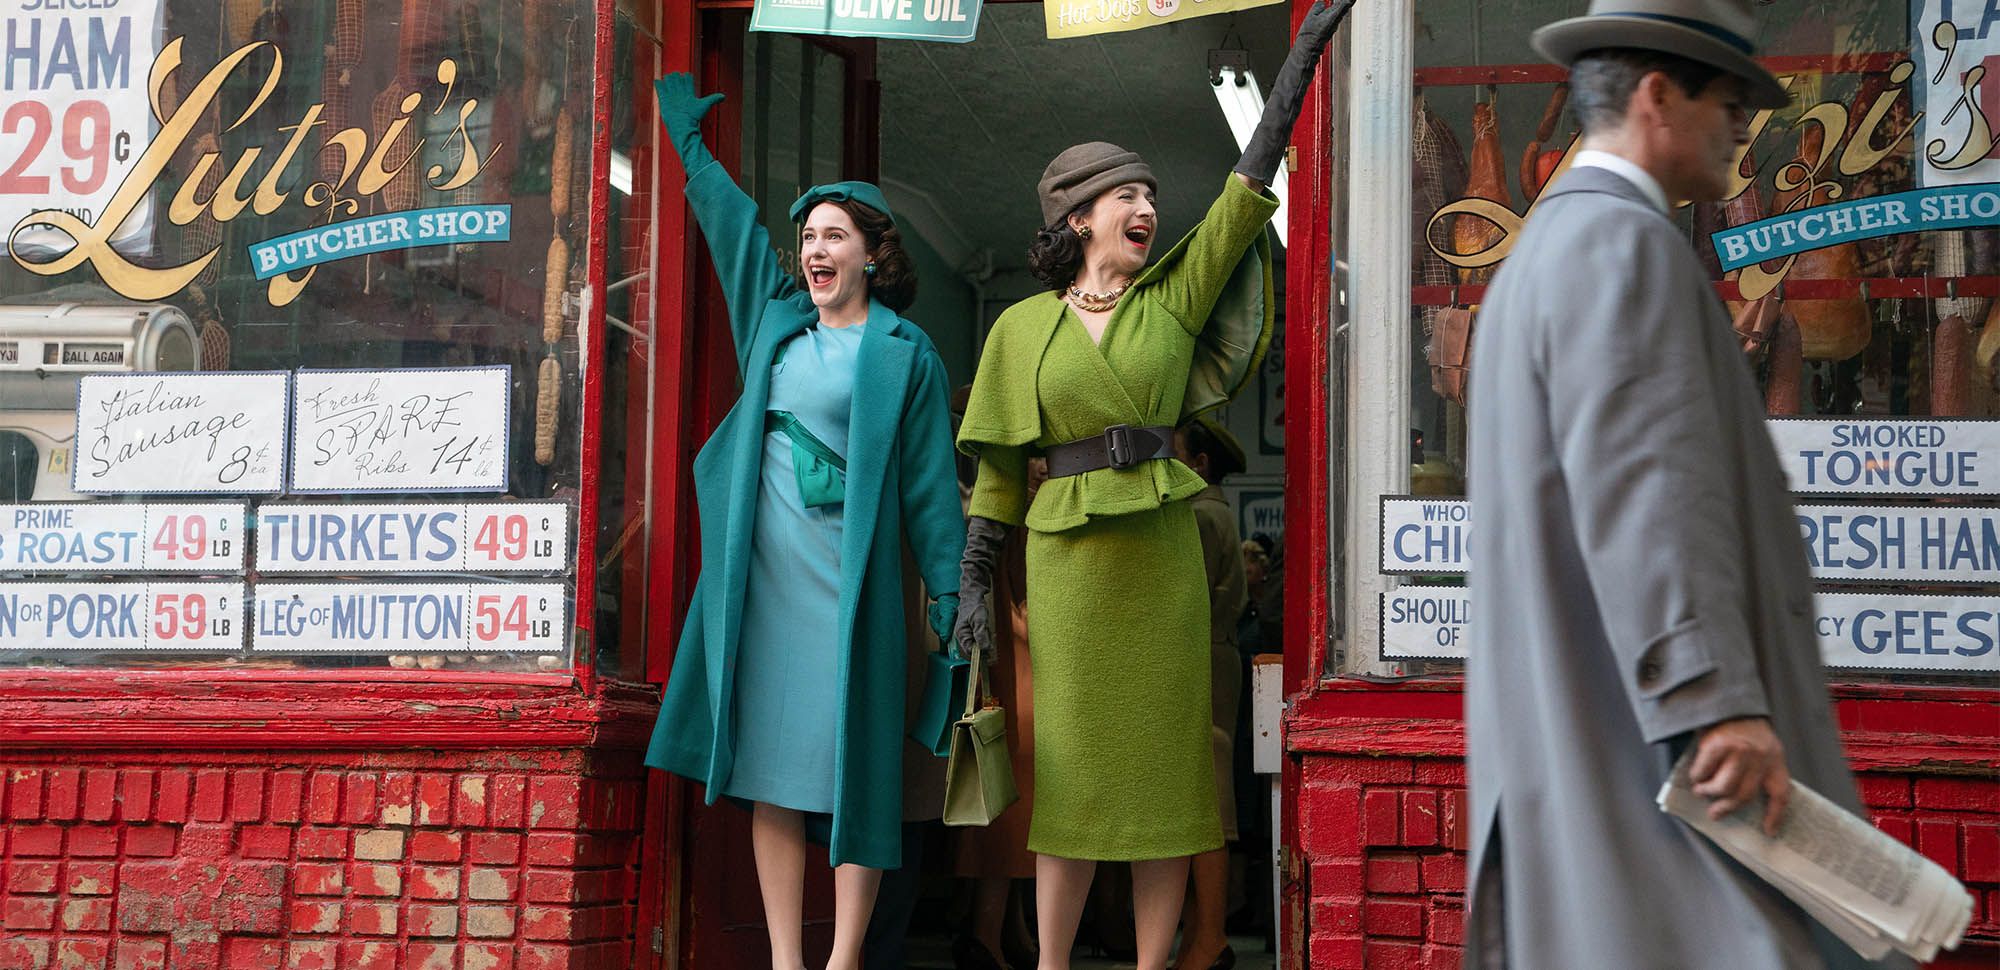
(1118, 634)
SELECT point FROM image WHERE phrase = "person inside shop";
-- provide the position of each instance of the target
(1640, 590)
(788, 688)
(1094, 374)
(1207, 447)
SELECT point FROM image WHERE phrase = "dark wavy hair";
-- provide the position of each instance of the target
(1057, 253)
(895, 279)
(1602, 80)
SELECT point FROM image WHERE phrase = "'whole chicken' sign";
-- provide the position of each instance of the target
(368, 161)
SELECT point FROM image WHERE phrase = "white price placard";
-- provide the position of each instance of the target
(1425, 536)
(423, 430)
(1844, 543)
(201, 433)
(77, 118)
(479, 537)
(1857, 631)
(198, 617)
(379, 618)
(122, 538)
(1885, 456)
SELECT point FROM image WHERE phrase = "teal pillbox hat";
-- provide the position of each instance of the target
(863, 192)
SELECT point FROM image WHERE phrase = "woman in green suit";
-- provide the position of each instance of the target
(787, 689)
(1093, 375)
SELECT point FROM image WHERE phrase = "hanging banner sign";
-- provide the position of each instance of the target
(1082, 18)
(384, 618)
(1857, 631)
(77, 116)
(213, 433)
(1881, 456)
(483, 538)
(428, 430)
(950, 21)
(100, 538)
(204, 617)
(1952, 45)
(1844, 543)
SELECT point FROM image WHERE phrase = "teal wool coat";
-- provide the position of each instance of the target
(900, 485)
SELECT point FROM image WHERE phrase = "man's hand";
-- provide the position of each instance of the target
(1734, 761)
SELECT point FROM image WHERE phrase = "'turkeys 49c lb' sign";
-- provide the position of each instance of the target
(368, 162)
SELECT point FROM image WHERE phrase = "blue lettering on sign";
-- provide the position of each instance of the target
(398, 616)
(51, 548)
(10, 615)
(1919, 210)
(1915, 632)
(1848, 468)
(93, 615)
(356, 537)
(105, 62)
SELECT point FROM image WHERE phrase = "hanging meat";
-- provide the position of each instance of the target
(1785, 370)
(1834, 329)
(336, 86)
(1538, 165)
(1437, 174)
(1488, 180)
(1955, 255)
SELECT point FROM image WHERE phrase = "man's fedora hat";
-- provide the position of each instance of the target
(1714, 32)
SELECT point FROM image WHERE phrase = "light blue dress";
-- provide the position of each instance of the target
(788, 668)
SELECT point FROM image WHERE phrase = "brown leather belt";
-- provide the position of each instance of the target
(1120, 446)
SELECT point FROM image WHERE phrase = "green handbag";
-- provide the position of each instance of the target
(979, 781)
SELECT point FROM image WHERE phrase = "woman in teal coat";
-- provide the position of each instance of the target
(787, 689)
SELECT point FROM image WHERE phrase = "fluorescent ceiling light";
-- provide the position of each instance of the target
(621, 172)
(1242, 105)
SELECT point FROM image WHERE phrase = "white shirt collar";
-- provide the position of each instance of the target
(1628, 170)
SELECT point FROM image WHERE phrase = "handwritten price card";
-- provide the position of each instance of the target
(378, 618)
(221, 434)
(441, 430)
(98, 538)
(480, 537)
(128, 617)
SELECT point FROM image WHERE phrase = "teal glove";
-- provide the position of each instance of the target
(944, 612)
(681, 111)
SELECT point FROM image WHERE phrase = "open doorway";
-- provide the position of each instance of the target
(957, 136)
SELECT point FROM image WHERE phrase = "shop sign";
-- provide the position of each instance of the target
(121, 538)
(1260, 511)
(1954, 44)
(1844, 543)
(1874, 137)
(76, 117)
(124, 617)
(1857, 631)
(156, 433)
(485, 537)
(414, 430)
(385, 618)
(53, 240)
(1922, 210)
(1889, 456)
(950, 21)
(1082, 18)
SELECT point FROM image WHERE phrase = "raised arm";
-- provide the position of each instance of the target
(737, 240)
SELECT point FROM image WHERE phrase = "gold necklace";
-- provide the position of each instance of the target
(1097, 302)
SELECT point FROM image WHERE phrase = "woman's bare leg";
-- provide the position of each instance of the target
(1158, 887)
(854, 889)
(778, 839)
(1061, 888)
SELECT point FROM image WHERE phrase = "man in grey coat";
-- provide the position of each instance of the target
(1639, 585)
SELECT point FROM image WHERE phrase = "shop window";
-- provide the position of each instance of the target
(289, 350)
(1878, 368)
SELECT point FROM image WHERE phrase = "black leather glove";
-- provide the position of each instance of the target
(1288, 91)
(983, 539)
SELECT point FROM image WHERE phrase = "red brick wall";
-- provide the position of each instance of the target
(1384, 840)
(433, 861)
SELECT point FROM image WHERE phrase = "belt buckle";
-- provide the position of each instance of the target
(1118, 446)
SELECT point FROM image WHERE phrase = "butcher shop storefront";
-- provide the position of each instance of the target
(322, 552)
(1859, 257)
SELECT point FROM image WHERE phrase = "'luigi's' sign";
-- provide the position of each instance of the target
(952, 21)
